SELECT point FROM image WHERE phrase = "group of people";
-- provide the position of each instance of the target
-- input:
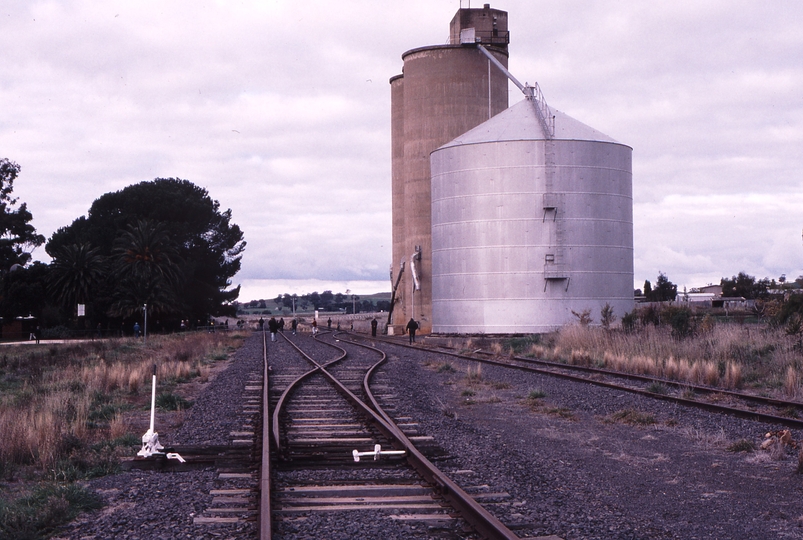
(275, 326)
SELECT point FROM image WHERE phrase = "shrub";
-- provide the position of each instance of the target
(650, 315)
(536, 394)
(168, 401)
(681, 319)
(584, 317)
(794, 305)
(607, 317)
(524, 344)
(56, 332)
(629, 321)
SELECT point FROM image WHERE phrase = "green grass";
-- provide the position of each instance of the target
(632, 417)
(789, 412)
(658, 388)
(522, 344)
(49, 505)
(172, 402)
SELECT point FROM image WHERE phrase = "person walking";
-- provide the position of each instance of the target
(314, 327)
(412, 326)
(374, 324)
(261, 323)
(273, 326)
(294, 325)
(281, 325)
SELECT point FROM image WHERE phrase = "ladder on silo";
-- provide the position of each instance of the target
(555, 258)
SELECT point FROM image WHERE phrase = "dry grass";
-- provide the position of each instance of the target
(67, 392)
(630, 416)
(474, 374)
(791, 384)
(706, 439)
(725, 355)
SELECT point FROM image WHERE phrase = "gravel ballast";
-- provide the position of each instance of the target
(573, 468)
(576, 472)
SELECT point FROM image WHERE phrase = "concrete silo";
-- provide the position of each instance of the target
(529, 223)
(443, 91)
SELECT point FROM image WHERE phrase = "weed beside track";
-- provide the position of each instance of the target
(66, 411)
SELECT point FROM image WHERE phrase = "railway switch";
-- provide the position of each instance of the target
(377, 452)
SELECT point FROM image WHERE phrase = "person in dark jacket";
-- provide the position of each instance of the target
(412, 326)
(374, 324)
(273, 326)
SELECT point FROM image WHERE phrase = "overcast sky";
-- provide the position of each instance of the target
(281, 110)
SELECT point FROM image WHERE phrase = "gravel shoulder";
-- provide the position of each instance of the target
(575, 473)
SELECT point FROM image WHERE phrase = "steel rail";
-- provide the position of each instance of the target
(761, 400)
(712, 407)
(264, 479)
(292, 386)
(474, 513)
(383, 426)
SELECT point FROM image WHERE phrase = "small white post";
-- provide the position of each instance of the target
(150, 441)
(153, 398)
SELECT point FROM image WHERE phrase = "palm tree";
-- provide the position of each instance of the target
(76, 271)
(146, 270)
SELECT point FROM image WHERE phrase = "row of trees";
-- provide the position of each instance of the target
(741, 285)
(663, 291)
(328, 301)
(163, 243)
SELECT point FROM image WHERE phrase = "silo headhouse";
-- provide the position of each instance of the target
(502, 223)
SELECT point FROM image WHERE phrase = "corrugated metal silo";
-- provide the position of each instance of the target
(528, 227)
(443, 92)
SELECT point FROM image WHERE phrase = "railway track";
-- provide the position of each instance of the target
(749, 406)
(331, 411)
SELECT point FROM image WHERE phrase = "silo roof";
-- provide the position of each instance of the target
(520, 123)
